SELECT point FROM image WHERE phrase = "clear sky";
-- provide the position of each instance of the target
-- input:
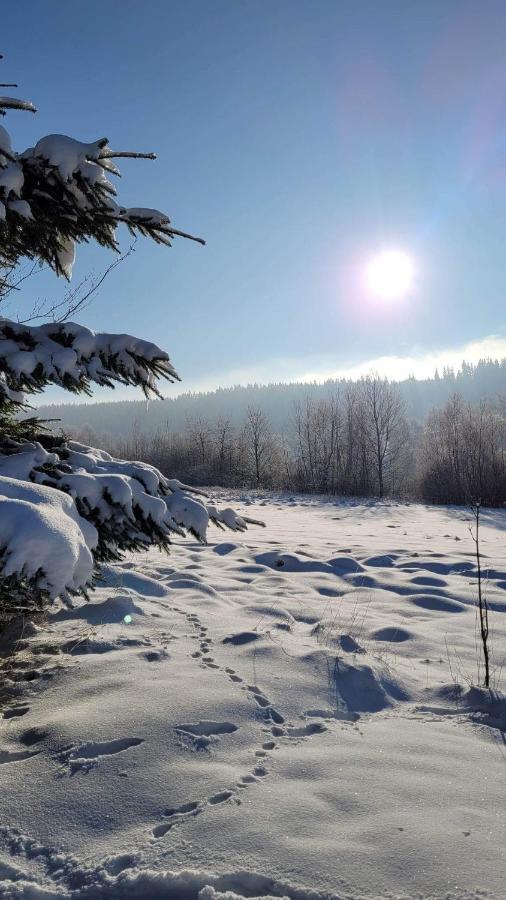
(299, 137)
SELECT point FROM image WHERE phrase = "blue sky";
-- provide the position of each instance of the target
(298, 138)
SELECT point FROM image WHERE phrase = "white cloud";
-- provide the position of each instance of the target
(419, 365)
(396, 368)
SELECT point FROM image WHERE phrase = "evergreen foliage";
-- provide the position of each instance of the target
(66, 507)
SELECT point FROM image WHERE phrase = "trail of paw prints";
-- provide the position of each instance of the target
(23, 676)
(200, 634)
(267, 711)
(201, 735)
(176, 816)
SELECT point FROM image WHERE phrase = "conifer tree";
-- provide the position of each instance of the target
(66, 507)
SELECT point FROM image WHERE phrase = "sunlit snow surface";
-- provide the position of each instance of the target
(288, 714)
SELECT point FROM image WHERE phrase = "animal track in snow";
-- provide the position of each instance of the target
(178, 815)
(208, 727)
(232, 674)
(306, 730)
(277, 731)
(247, 779)
(200, 735)
(241, 638)
(7, 757)
(14, 711)
(191, 807)
(154, 655)
(32, 736)
(220, 797)
(262, 701)
(83, 757)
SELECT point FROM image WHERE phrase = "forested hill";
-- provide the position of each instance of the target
(487, 379)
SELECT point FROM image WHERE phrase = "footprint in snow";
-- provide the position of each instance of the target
(200, 735)
(32, 736)
(178, 815)
(220, 797)
(303, 731)
(277, 731)
(154, 655)
(262, 701)
(241, 638)
(7, 757)
(12, 712)
(245, 780)
(208, 727)
(83, 757)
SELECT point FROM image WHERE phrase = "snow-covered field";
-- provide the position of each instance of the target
(288, 714)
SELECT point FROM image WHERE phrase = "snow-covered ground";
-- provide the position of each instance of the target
(288, 714)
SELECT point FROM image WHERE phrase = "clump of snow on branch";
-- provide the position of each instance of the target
(46, 547)
(63, 186)
(74, 357)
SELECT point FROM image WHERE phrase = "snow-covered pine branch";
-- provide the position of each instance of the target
(74, 357)
(58, 194)
(50, 543)
(65, 507)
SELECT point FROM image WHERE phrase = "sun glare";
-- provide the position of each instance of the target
(390, 275)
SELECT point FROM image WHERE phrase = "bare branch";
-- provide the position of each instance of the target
(191, 237)
(125, 154)
(73, 300)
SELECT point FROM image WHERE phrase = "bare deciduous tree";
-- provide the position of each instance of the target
(463, 454)
(386, 429)
(258, 437)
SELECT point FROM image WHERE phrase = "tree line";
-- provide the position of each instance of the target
(473, 382)
(356, 441)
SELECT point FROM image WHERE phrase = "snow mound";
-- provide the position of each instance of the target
(44, 539)
(185, 885)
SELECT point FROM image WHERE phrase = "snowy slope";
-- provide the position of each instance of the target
(288, 714)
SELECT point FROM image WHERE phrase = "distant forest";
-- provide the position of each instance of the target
(442, 439)
(485, 380)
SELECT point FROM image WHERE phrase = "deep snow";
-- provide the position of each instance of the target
(291, 714)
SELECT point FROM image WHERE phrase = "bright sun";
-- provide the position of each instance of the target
(390, 274)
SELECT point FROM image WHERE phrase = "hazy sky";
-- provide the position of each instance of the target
(298, 138)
